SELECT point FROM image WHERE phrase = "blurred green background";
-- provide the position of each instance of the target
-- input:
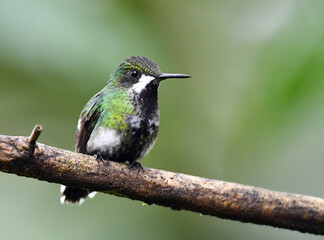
(252, 113)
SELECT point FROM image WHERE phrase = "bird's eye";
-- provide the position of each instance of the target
(134, 74)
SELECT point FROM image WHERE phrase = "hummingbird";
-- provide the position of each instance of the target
(121, 122)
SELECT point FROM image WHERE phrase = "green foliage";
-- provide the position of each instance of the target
(252, 113)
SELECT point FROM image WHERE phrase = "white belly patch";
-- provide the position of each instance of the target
(103, 140)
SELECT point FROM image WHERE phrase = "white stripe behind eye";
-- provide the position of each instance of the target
(142, 82)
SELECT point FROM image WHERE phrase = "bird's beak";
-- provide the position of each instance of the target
(172, 75)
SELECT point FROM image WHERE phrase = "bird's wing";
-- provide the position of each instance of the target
(87, 122)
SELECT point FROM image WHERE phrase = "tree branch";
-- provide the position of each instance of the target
(24, 157)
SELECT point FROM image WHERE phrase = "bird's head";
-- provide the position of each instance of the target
(137, 73)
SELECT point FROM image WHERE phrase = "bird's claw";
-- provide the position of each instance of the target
(99, 157)
(137, 166)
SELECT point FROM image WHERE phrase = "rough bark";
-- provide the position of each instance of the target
(24, 157)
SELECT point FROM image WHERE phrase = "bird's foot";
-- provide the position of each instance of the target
(100, 158)
(137, 166)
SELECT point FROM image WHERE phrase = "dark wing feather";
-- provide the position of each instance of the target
(88, 119)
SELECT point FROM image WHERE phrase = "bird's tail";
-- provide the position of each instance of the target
(75, 195)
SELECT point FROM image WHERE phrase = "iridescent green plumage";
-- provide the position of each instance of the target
(116, 106)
